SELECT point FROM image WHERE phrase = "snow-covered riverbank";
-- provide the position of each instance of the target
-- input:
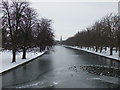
(6, 57)
(103, 53)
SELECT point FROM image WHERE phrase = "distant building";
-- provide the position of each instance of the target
(119, 8)
(61, 39)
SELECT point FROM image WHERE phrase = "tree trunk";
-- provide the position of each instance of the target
(105, 49)
(14, 56)
(40, 49)
(44, 48)
(119, 51)
(88, 48)
(116, 49)
(96, 49)
(24, 54)
(81, 46)
(111, 50)
(101, 49)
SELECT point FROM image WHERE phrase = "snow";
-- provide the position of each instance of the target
(103, 53)
(6, 57)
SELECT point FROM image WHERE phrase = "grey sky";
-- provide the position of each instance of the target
(71, 17)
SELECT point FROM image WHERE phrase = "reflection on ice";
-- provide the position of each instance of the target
(95, 78)
(55, 83)
(28, 85)
(107, 79)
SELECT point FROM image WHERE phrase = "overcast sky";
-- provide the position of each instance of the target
(71, 17)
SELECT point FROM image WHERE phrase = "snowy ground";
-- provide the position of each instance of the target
(103, 53)
(6, 57)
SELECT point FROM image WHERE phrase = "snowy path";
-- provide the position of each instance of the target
(6, 57)
(105, 54)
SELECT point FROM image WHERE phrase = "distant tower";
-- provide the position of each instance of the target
(61, 39)
(119, 8)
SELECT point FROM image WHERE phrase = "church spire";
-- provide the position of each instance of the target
(61, 38)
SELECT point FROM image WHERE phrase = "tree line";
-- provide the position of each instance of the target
(104, 33)
(22, 29)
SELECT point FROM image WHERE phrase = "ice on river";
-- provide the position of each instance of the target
(66, 78)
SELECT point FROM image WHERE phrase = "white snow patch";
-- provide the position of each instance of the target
(6, 57)
(103, 53)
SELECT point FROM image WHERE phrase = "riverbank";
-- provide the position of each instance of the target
(103, 54)
(6, 57)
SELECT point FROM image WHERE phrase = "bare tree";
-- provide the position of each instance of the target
(117, 27)
(13, 11)
(110, 28)
(104, 33)
(45, 36)
(27, 24)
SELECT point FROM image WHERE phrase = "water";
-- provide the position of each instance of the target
(52, 70)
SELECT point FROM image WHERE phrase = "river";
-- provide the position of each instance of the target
(57, 69)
